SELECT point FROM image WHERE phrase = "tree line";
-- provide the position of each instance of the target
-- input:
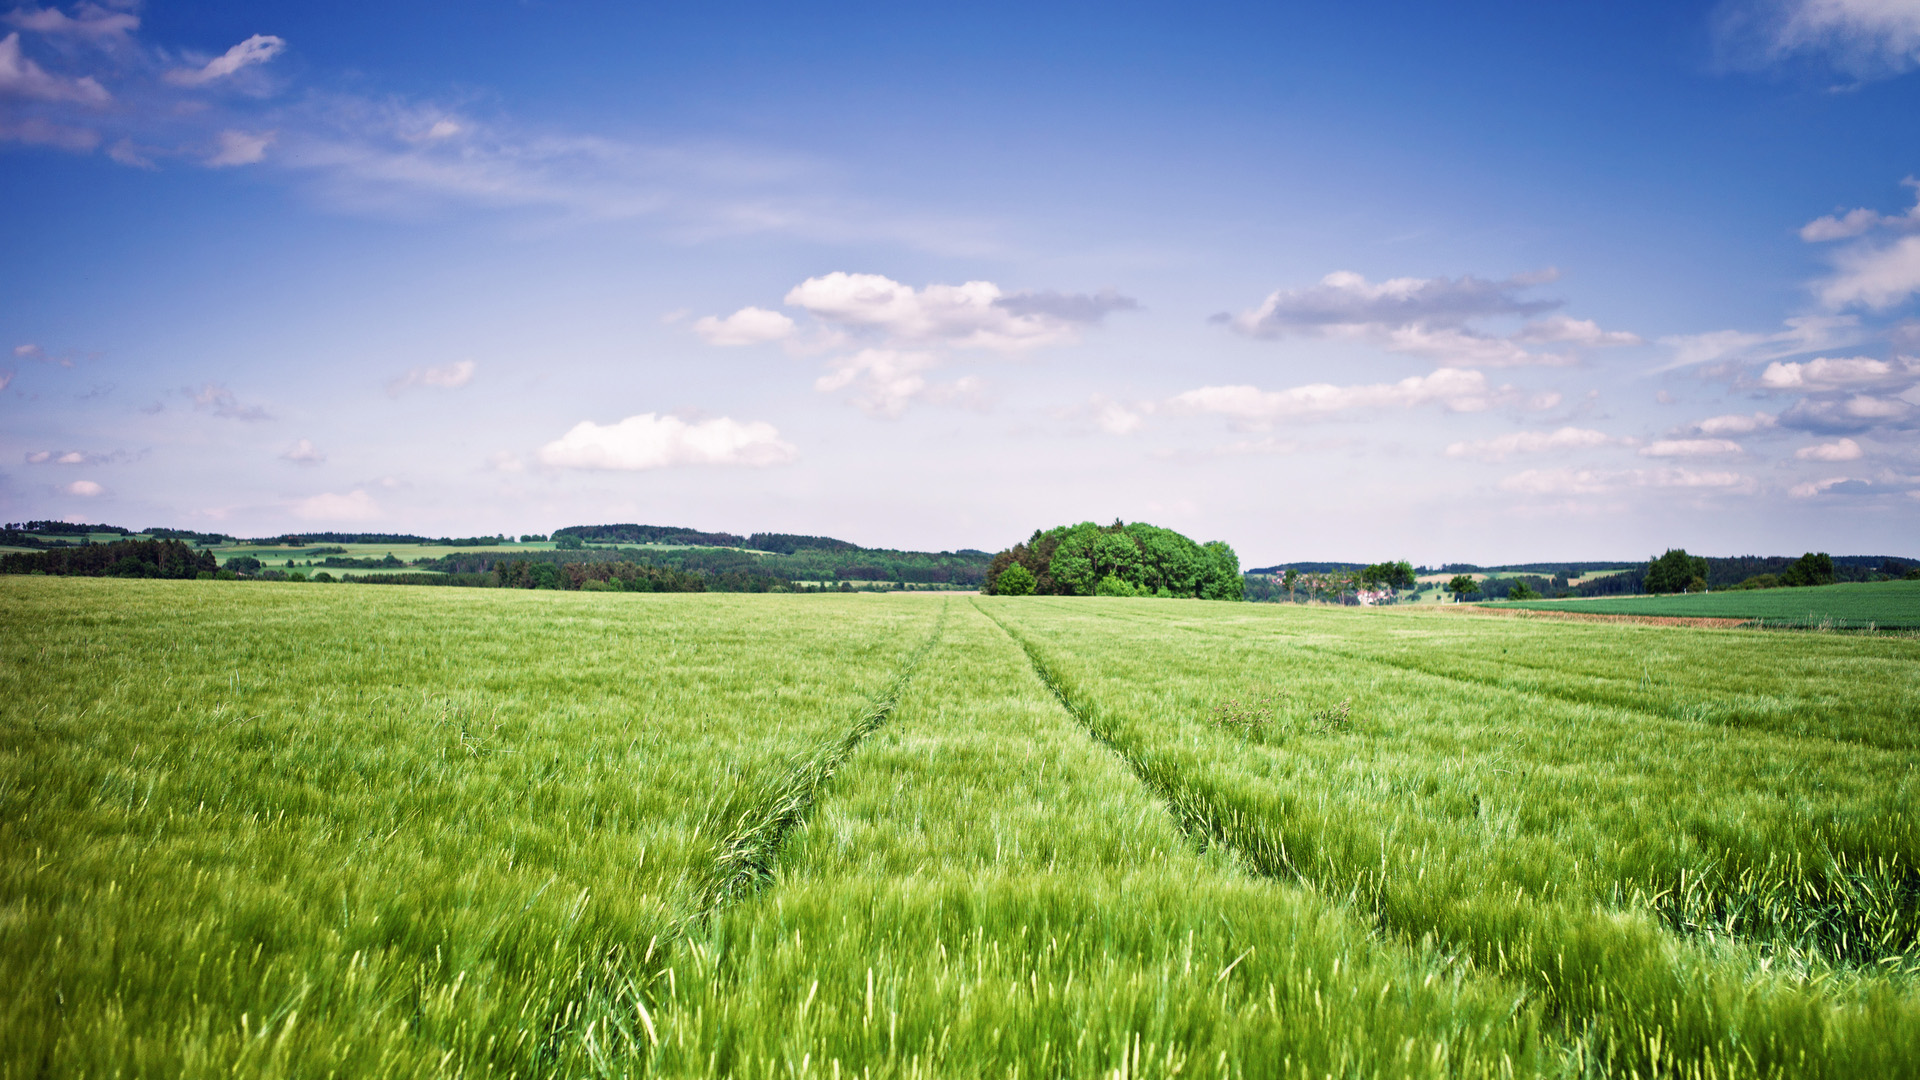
(120, 558)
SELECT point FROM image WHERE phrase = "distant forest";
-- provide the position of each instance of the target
(1086, 559)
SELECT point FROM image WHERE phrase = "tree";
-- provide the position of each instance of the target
(1674, 572)
(1809, 569)
(1522, 591)
(1015, 580)
(1290, 578)
(1461, 585)
(1397, 575)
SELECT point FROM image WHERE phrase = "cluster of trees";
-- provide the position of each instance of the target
(1116, 560)
(121, 558)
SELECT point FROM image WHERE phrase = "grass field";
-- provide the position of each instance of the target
(299, 831)
(1888, 604)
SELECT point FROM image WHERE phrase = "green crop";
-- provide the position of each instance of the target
(263, 830)
(1854, 606)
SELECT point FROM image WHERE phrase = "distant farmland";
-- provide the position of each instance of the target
(1885, 604)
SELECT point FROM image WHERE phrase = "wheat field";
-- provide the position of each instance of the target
(267, 830)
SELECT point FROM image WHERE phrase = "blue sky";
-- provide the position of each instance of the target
(1478, 282)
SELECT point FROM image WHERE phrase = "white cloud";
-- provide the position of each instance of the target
(1601, 481)
(1690, 448)
(257, 49)
(748, 326)
(1827, 373)
(356, 505)
(446, 377)
(1860, 221)
(651, 441)
(1347, 299)
(1451, 388)
(6, 377)
(1814, 487)
(975, 314)
(304, 453)
(1875, 278)
(1428, 317)
(1839, 227)
(21, 77)
(84, 488)
(65, 457)
(1838, 450)
(1735, 424)
(94, 21)
(240, 148)
(1503, 447)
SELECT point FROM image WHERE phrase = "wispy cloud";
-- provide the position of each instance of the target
(651, 441)
(445, 377)
(1865, 39)
(1531, 443)
(1800, 334)
(304, 453)
(1545, 482)
(257, 49)
(1453, 389)
(221, 402)
(1690, 448)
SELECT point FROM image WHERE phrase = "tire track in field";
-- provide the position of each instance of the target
(747, 857)
(1197, 816)
(1627, 1011)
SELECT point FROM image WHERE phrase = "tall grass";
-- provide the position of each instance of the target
(985, 892)
(264, 830)
(1545, 840)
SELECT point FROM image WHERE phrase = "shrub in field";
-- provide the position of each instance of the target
(1015, 580)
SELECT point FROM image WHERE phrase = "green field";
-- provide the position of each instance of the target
(284, 830)
(1858, 605)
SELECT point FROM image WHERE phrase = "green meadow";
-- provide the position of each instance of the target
(258, 829)
(1853, 605)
